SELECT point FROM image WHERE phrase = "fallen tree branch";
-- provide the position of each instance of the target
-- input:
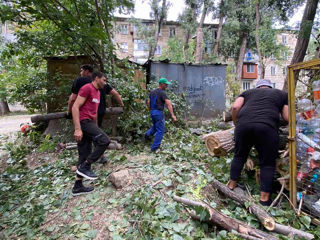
(228, 223)
(58, 115)
(267, 221)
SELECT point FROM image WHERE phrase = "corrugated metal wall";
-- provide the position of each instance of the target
(204, 85)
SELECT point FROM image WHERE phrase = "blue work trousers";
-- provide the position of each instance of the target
(157, 129)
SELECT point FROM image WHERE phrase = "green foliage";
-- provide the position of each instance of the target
(176, 52)
(233, 87)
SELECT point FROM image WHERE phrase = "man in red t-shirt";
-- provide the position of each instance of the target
(86, 131)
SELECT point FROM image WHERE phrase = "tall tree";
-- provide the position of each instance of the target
(206, 8)
(87, 24)
(222, 13)
(188, 22)
(304, 35)
(159, 14)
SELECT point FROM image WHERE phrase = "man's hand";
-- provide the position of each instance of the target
(78, 135)
(69, 115)
(174, 118)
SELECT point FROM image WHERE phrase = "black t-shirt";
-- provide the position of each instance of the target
(102, 106)
(162, 96)
(81, 81)
(262, 105)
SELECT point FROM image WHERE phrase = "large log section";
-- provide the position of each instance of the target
(58, 115)
(219, 143)
(267, 221)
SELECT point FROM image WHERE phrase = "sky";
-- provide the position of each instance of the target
(142, 10)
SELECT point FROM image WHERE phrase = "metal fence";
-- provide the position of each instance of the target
(204, 85)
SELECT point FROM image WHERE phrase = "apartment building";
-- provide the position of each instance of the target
(275, 70)
(7, 31)
(130, 45)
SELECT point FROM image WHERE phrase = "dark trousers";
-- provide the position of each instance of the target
(100, 119)
(266, 140)
(91, 134)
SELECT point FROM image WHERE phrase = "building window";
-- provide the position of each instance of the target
(124, 29)
(124, 47)
(285, 55)
(158, 50)
(245, 85)
(140, 45)
(273, 70)
(284, 39)
(284, 71)
(250, 68)
(172, 32)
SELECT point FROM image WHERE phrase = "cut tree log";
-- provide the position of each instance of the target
(226, 116)
(219, 143)
(58, 115)
(228, 223)
(267, 221)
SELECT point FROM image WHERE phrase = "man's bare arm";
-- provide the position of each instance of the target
(71, 101)
(76, 117)
(237, 105)
(148, 103)
(117, 96)
(285, 113)
(169, 106)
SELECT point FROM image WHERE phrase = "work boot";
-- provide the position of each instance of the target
(81, 190)
(84, 170)
(103, 160)
(145, 138)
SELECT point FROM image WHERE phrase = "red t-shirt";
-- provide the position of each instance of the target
(90, 107)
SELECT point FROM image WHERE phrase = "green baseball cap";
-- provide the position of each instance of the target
(164, 80)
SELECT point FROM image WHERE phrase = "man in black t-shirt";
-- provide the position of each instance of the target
(86, 77)
(156, 101)
(255, 113)
(86, 73)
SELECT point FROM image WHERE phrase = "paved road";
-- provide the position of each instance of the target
(12, 123)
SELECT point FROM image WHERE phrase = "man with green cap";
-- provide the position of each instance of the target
(156, 101)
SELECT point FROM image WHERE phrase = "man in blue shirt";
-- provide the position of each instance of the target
(156, 101)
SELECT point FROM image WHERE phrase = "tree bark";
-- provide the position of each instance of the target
(303, 37)
(226, 222)
(4, 107)
(268, 222)
(58, 115)
(257, 36)
(244, 40)
(219, 143)
(198, 57)
(221, 17)
(158, 22)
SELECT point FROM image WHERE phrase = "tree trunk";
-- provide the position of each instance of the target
(221, 17)
(230, 224)
(198, 57)
(268, 222)
(219, 143)
(303, 37)
(257, 36)
(4, 107)
(244, 40)
(58, 115)
(158, 22)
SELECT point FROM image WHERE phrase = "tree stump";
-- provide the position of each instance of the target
(219, 143)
